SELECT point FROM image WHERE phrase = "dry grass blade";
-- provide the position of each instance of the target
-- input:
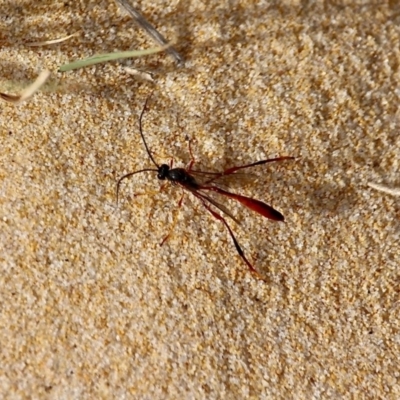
(27, 92)
(385, 189)
(101, 58)
(152, 32)
(54, 41)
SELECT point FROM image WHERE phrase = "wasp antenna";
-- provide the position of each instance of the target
(141, 133)
(129, 175)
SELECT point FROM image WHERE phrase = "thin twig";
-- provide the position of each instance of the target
(153, 32)
(384, 189)
(29, 91)
(141, 75)
(54, 41)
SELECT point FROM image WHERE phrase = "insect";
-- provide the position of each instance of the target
(201, 184)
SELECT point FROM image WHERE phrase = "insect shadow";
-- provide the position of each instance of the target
(202, 183)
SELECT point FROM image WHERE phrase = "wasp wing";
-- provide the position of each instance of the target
(212, 201)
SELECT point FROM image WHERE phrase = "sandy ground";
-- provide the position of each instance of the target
(92, 307)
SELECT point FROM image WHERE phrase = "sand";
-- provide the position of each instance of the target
(92, 307)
